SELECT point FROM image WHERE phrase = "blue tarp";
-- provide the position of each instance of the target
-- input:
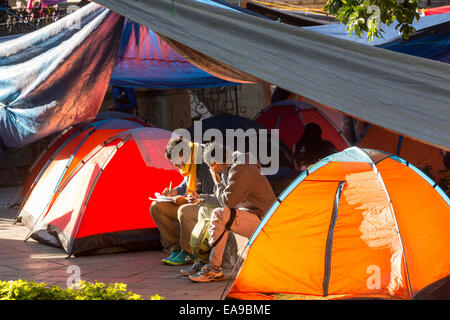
(146, 61)
(431, 40)
(57, 76)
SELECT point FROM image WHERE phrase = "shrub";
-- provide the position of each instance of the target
(85, 290)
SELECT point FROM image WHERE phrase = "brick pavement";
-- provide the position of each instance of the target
(143, 271)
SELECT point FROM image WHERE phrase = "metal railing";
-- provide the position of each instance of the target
(18, 21)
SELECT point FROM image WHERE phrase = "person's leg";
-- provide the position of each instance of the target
(203, 213)
(244, 224)
(164, 215)
(187, 216)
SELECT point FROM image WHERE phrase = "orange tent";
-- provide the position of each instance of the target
(103, 205)
(427, 158)
(57, 167)
(358, 224)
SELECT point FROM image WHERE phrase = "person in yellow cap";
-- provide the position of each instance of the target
(195, 190)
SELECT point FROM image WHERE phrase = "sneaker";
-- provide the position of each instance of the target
(172, 255)
(196, 267)
(181, 259)
(207, 274)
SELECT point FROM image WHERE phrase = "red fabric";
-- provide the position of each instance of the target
(438, 10)
(119, 199)
(291, 123)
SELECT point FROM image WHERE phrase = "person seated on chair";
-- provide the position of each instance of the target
(184, 208)
(311, 147)
(244, 195)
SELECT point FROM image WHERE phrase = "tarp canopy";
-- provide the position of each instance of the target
(55, 77)
(400, 92)
(145, 61)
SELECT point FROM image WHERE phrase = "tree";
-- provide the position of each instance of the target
(367, 15)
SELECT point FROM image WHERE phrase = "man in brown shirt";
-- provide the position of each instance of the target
(245, 195)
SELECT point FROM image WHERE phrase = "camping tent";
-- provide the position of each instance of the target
(291, 116)
(113, 183)
(423, 156)
(63, 136)
(57, 167)
(358, 224)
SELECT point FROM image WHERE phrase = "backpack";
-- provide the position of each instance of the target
(199, 240)
(200, 235)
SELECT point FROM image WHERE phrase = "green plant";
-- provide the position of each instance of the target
(23, 290)
(367, 15)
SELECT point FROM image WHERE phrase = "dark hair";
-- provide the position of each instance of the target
(173, 142)
(209, 153)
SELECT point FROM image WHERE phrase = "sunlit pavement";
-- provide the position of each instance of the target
(143, 272)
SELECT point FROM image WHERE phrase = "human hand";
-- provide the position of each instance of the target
(179, 200)
(193, 197)
(169, 192)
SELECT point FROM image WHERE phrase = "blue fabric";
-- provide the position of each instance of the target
(57, 76)
(145, 61)
(128, 93)
(425, 43)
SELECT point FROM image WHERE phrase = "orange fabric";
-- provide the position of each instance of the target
(44, 157)
(42, 192)
(365, 242)
(379, 139)
(423, 218)
(288, 255)
(338, 171)
(422, 155)
(390, 239)
(417, 153)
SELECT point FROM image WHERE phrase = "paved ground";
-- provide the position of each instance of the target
(143, 272)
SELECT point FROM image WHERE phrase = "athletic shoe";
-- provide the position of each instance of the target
(181, 259)
(172, 255)
(207, 274)
(196, 267)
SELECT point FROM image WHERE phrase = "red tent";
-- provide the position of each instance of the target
(291, 116)
(57, 164)
(63, 136)
(103, 205)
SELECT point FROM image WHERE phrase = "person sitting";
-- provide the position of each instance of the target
(184, 209)
(244, 195)
(125, 100)
(311, 147)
